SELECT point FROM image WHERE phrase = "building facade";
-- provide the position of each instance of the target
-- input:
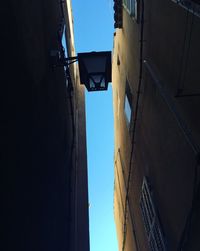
(43, 135)
(156, 98)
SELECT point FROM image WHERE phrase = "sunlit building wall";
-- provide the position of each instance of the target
(43, 135)
(156, 98)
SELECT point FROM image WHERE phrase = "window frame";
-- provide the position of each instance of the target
(128, 7)
(152, 225)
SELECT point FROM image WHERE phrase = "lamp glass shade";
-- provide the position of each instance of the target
(95, 64)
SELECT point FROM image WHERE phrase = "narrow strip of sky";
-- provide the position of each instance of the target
(93, 26)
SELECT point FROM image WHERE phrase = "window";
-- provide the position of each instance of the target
(64, 53)
(63, 40)
(128, 103)
(150, 219)
(131, 6)
(127, 109)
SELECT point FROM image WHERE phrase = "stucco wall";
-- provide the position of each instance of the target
(160, 149)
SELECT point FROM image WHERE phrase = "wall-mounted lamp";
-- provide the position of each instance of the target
(94, 68)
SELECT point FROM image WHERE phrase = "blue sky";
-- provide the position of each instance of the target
(93, 26)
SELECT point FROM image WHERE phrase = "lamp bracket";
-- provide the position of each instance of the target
(58, 59)
(69, 60)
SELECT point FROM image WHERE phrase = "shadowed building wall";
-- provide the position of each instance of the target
(43, 141)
